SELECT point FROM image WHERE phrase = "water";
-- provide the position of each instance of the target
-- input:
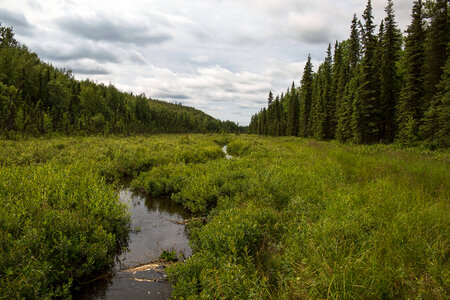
(224, 149)
(157, 219)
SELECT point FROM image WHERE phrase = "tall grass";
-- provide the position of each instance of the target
(286, 218)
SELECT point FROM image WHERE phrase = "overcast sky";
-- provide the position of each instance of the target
(220, 56)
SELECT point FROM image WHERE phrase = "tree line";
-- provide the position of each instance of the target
(37, 98)
(374, 87)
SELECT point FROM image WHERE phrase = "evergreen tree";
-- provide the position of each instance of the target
(354, 45)
(410, 106)
(318, 107)
(306, 92)
(348, 85)
(436, 124)
(293, 110)
(438, 36)
(365, 118)
(389, 78)
(270, 98)
(328, 102)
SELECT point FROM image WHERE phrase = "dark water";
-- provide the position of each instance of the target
(159, 231)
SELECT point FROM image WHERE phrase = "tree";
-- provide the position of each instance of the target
(293, 109)
(438, 36)
(411, 102)
(306, 92)
(349, 83)
(389, 74)
(270, 98)
(354, 45)
(436, 124)
(365, 118)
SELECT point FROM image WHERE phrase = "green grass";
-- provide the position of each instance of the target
(287, 218)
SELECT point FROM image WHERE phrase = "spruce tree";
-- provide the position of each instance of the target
(438, 35)
(270, 98)
(436, 123)
(328, 102)
(293, 108)
(306, 98)
(389, 78)
(270, 114)
(349, 84)
(318, 107)
(410, 105)
(365, 119)
(338, 65)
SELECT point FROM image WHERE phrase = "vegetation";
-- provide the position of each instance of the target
(290, 218)
(371, 90)
(286, 218)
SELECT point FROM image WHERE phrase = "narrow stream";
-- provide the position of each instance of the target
(134, 276)
(157, 219)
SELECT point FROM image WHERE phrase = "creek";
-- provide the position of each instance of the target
(136, 273)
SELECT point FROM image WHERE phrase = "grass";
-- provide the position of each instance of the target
(287, 218)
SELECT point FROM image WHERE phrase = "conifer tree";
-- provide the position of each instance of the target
(338, 65)
(293, 108)
(318, 107)
(349, 85)
(328, 102)
(306, 98)
(410, 105)
(270, 98)
(270, 114)
(389, 78)
(365, 118)
(436, 124)
(438, 36)
(354, 45)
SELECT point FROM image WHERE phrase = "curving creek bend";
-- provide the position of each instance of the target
(135, 275)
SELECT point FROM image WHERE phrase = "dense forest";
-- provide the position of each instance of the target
(37, 98)
(374, 87)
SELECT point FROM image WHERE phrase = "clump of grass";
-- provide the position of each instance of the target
(170, 256)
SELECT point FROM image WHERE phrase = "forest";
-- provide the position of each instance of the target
(375, 87)
(37, 99)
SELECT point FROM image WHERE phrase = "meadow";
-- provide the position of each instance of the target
(286, 218)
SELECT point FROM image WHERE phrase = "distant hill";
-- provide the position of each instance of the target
(37, 98)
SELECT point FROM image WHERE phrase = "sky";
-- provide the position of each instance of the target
(219, 56)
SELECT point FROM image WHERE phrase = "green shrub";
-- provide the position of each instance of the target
(58, 226)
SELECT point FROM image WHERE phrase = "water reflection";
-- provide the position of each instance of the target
(156, 218)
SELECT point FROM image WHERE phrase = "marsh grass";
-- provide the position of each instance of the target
(287, 218)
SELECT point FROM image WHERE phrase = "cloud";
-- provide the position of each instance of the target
(170, 96)
(66, 52)
(100, 27)
(312, 28)
(34, 4)
(96, 70)
(137, 57)
(17, 20)
(200, 59)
